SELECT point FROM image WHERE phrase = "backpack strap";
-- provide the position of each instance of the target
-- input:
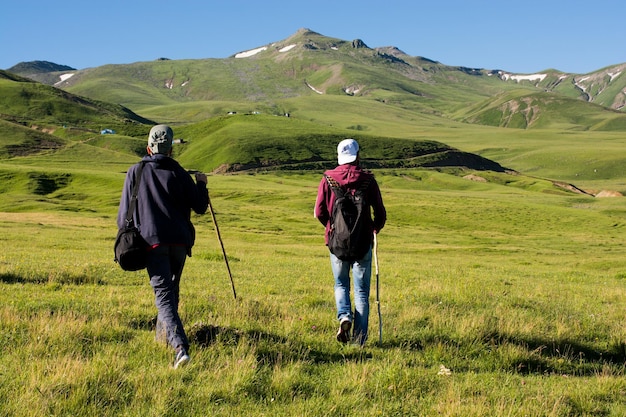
(334, 185)
(133, 199)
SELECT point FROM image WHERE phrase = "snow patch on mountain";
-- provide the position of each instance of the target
(313, 88)
(64, 77)
(251, 52)
(528, 77)
(578, 83)
(255, 51)
(287, 48)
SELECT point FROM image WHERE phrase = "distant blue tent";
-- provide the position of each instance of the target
(107, 132)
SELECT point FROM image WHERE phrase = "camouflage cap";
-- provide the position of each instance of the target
(160, 139)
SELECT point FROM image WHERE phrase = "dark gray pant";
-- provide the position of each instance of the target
(165, 266)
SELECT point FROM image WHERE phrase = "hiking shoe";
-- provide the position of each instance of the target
(343, 335)
(182, 358)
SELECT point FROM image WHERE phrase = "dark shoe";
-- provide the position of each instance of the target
(182, 358)
(343, 335)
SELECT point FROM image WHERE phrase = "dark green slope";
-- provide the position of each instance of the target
(39, 106)
(261, 142)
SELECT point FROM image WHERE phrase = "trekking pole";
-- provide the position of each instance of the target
(219, 238)
(380, 317)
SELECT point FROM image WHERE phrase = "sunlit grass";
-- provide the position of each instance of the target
(519, 293)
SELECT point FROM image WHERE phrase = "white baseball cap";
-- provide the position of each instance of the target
(347, 151)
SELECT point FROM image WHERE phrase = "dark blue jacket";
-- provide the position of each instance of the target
(166, 196)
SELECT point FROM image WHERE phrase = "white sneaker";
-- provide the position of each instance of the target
(182, 358)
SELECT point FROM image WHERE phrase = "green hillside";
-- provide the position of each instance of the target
(397, 105)
(46, 108)
(43, 121)
(240, 142)
(307, 64)
(522, 110)
(303, 65)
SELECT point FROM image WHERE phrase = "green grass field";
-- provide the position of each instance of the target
(518, 290)
(499, 298)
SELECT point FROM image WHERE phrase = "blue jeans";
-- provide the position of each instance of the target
(361, 273)
(165, 266)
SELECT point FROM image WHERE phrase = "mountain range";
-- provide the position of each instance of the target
(325, 81)
(309, 63)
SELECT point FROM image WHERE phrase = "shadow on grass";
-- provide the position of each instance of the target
(12, 279)
(271, 349)
(557, 356)
(565, 355)
(57, 277)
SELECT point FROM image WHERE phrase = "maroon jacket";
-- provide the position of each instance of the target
(350, 177)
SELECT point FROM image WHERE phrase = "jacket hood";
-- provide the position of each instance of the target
(348, 175)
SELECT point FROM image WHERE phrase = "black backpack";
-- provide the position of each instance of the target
(350, 236)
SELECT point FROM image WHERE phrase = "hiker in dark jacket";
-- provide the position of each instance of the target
(350, 176)
(166, 196)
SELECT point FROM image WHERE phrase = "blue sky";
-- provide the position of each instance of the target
(517, 36)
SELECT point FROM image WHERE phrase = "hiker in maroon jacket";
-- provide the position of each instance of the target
(351, 177)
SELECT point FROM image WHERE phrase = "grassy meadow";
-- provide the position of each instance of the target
(498, 298)
(502, 298)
